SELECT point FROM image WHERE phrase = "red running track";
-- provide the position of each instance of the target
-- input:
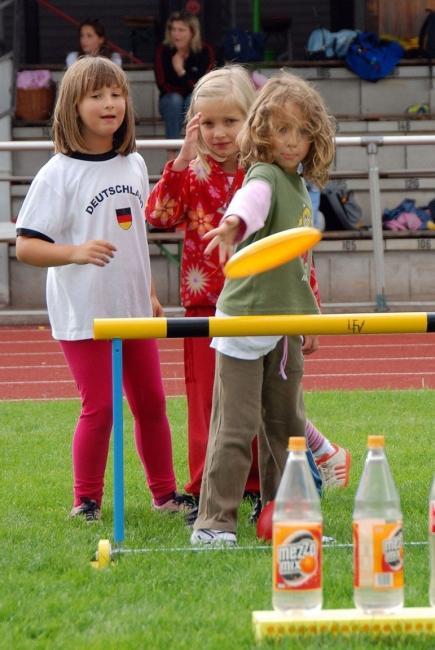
(32, 365)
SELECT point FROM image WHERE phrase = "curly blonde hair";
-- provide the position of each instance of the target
(271, 111)
(87, 74)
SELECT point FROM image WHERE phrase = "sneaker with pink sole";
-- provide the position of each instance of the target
(334, 467)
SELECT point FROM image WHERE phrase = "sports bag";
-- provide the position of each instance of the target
(242, 45)
(339, 207)
(373, 59)
(318, 41)
(323, 44)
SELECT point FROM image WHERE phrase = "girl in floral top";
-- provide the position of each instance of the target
(195, 190)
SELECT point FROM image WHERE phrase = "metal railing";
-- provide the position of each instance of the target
(371, 144)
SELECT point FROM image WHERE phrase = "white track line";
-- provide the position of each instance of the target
(307, 360)
(320, 359)
(32, 341)
(29, 354)
(370, 374)
(41, 381)
(46, 399)
(64, 365)
(41, 366)
(306, 375)
(56, 342)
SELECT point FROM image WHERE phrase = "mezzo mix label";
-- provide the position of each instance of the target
(297, 556)
(378, 554)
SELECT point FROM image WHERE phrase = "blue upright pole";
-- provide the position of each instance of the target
(118, 443)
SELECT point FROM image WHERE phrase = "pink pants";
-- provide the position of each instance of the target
(199, 365)
(91, 365)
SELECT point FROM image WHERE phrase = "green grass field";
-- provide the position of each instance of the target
(167, 598)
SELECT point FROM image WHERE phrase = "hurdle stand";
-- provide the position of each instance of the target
(117, 329)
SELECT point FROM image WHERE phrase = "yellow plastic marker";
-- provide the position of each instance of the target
(409, 620)
(272, 251)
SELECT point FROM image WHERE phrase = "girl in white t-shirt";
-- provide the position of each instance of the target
(83, 218)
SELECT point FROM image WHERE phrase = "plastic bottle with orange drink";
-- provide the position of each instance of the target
(378, 536)
(297, 536)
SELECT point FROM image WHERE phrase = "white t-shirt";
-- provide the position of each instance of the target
(80, 198)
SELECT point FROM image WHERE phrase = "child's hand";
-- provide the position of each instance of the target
(95, 251)
(310, 344)
(155, 302)
(223, 236)
(189, 150)
(157, 307)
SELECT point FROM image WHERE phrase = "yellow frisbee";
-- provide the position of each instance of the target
(272, 251)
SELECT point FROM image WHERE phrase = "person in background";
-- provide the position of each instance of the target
(180, 61)
(92, 42)
(83, 219)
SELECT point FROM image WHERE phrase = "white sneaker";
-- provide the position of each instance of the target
(334, 468)
(212, 537)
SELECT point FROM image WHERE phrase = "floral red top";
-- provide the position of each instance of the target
(197, 197)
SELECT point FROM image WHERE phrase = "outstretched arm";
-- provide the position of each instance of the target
(223, 236)
(246, 214)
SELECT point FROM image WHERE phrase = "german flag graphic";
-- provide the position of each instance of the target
(124, 218)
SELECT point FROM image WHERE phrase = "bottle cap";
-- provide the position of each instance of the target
(297, 443)
(374, 442)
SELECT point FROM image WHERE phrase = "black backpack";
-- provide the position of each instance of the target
(339, 207)
(243, 46)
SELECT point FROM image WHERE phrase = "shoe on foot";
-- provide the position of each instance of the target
(178, 503)
(212, 537)
(89, 509)
(334, 467)
(251, 496)
(255, 512)
(191, 516)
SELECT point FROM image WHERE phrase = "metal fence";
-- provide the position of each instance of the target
(370, 143)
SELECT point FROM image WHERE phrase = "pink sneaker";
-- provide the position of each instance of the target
(334, 468)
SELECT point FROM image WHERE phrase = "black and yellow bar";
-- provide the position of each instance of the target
(355, 324)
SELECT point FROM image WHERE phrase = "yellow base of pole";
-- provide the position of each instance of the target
(409, 620)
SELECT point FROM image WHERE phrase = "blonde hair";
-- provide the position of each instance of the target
(87, 74)
(231, 84)
(270, 111)
(192, 22)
